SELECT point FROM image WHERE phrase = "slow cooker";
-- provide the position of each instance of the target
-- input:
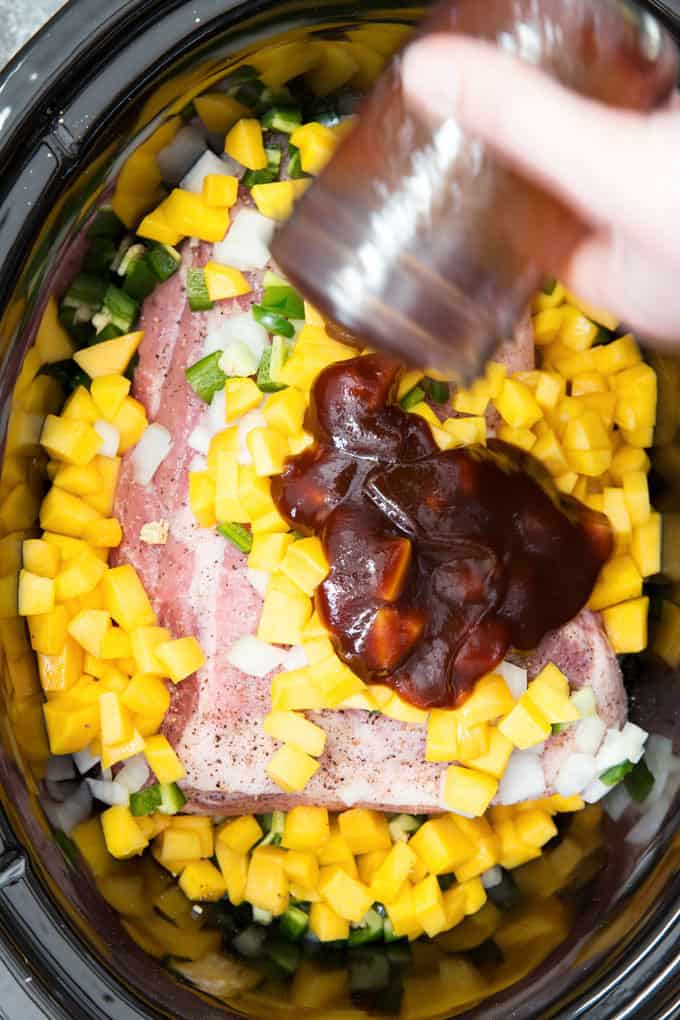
(74, 104)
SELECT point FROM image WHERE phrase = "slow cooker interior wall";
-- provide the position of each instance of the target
(92, 124)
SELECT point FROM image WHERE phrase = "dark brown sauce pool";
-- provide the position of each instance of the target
(439, 561)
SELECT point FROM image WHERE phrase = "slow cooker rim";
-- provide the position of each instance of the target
(40, 110)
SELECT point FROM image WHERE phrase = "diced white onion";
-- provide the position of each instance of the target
(295, 658)
(85, 761)
(215, 419)
(238, 360)
(536, 749)
(649, 823)
(658, 756)
(60, 767)
(576, 773)
(207, 163)
(254, 657)
(492, 877)
(150, 452)
(635, 738)
(176, 158)
(584, 700)
(134, 773)
(523, 779)
(617, 802)
(199, 439)
(198, 463)
(108, 793)
(251, 420)
(241, 328)
(106, 774)
(72, 812)
(619, 746)
(595, 791)
(110, 438)
(246, 245)
(515, 677)
(589, 734)
(61, 791)
(258, 579)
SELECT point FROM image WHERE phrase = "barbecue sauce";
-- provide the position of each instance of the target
(440, 561)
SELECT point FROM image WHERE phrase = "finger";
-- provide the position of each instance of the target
(609, 271)
(599, 160)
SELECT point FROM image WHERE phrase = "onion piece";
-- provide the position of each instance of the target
(207, 163)
(492, 877)
(72, 812)
(618, 802)
(241, 328)
(61, 791)
(60, 767)
(251, 420)
(255, 657)
(589, 734)
(523, 779)
(238, 359)
(536, 749)
(258, 579)
(595, 791)
(584, 701)
(134, 773)
(295, 658)
(216, 416)
(85, 761)
(110, 438)
(618, 746)
(577, 772)
(658, 756)
(515, 677)
(108, 792)
(649, 823)
(176, 158)
(199, 439)
(150, 452)
(246, 245)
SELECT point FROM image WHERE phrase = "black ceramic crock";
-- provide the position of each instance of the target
(71, 103)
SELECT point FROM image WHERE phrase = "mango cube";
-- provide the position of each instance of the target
(127, 602)
(244, 143)
(36, 594)
(525, 725)
(105, 533)
(114, 720)
(242, 395)
(269, 450)
(39, 557)
(348, 897)
(302, 869)
(146, 694)
(296, 731)
(267, 883)
(201, 881)
(131, 423)
(224, 282)
(535, 827)
(364, 830)
(234, 868)
(108, 393)
(645, 546)
(305, 564)
(442, 731)
(240, 834)
(467, 791)
(626, 625)
(122, 835)
(162, 759)
(326, 924)
(295, 691)
(306, 828)
(268, 551)
(316, 143)
(440, 845)
(283, 617)
(88, 628)
(517, 405)
(111, 357)
(402, 914)
(79, 576)
(180, 657)
(48, 631)
(391, 874)
(549, 693)
(429, 906)
(619, 581)
(70, 729)
(285, 410)
(220, 190)
(70, 441)
(496, 757)
(113, 753)
(145, 640)
(489, 699)
(65, 513)
(291, 769)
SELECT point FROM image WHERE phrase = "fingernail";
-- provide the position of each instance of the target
(428, 81)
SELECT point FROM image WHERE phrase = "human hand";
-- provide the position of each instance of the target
(619, 171)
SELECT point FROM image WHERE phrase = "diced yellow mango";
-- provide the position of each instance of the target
(525, 725)
(69, 440)
(283, 617)
(547, 449)
(178, 844)
(268, 551)
(127, 602)
(267, 883)
(619, 581)
(364, 830)
(244, 143)
(115, 721)
(35, 594)
(189, 214)
(626, 625)
(306, 828)
(162, 759)
(122, 835)
(549, 693)
(202, 498)
(223, 282)
(628, 459)
(234, 867)
(348, 897)
(495, 759)
(242, 395)
(440, 845)
(156, 226)
(391, 874)
(523, 438)
(547, 324)
(326, 924)
(617, 356)
(305, 564)
(220, 190)
(269, 450)
(60, 670)
(145, 640)
(402, 914)
(79, 576)
(108, 393)
(240, 834)
(285, 410)
(517, 405)
(111, 357)
(636, 493)
(316, 143)
(39, 557)
(219, 112)
(486, 847)
(467, 791)
(442, 744)
(645, 547)
(201, 881)
(302, 869)
(276, 200)
(105, 533)
(147, 695)
(513, 850)
(131, 422)
(429, 906)
(576, 331)
(180, 657)
(295, 691)
(89, 838)
(113, 753)
(48, 631)
(466, 431)
(70, 729)
(294, 729)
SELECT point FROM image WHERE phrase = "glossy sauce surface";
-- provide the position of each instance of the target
(439, 561)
